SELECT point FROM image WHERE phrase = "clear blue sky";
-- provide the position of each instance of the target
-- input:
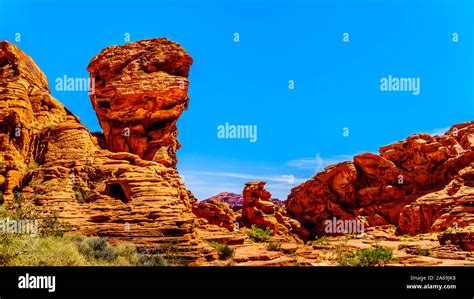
(301, 130)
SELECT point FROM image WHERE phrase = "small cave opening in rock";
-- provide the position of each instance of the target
(104, 104)
(116, 191)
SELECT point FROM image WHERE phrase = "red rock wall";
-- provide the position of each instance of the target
(422, 184)
(97, 192)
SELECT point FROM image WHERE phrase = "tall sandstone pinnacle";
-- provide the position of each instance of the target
(141, 89)
(422, 184)
(50, 157)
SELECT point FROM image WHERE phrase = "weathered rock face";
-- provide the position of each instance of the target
(27, 114)
(49, 156)
(422, 184)
(141, 89)
(463, 238)
(216, 212)
(233, 200)
(259, 210)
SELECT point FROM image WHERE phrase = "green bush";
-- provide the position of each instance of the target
(416, 250)
(126, 254)
(77, 238)
(258, 234)
(424, 252)
(83, 194)
(7, 250)
(224, 251)
(320, 241)
(18, 197)
(274, 246)
(69, 250)
(368, 257)
(24, 211)
(152, 260)
(50, 226)
(32, 166)
(97, 249)
(26, 250)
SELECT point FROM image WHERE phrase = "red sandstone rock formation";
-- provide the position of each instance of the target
(141, 89)
(215, 212)
(235, 201)
(259, 210)
(422, 184)
(463, 238)
(46, 153)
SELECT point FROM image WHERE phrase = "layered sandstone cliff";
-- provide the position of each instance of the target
(259, 210)
(422, 184)
(47, 155)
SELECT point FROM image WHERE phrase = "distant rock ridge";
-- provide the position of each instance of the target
(259, 210)
(235, 201)
(422, 184)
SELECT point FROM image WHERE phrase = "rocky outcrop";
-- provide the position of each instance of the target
(141, 89)
(463, 238)
(422, 184)
(233, 200)
(216, 212)
(259, 210)
(53, 160)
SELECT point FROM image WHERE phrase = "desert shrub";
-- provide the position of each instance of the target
(50, 251)
(274, 246)
(26, 250)
(258, 234)
(69, 250)
(24, 211)
(424, 252)
(97, 249)
(82, 193)
(7, 250)
(18, 197)
(170, 253)
(324, 241)
(368, 257)
(150, 259)
(416, 250)
(224, 251)
(32, 166)
(77, 238)
(126, 254)
(403, 246)
(51, 226)
(374, 256)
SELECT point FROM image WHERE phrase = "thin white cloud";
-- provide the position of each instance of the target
(318, 163)
(290, 179)
(439, 131)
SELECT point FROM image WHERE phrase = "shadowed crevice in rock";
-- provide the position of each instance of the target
(116, 191)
